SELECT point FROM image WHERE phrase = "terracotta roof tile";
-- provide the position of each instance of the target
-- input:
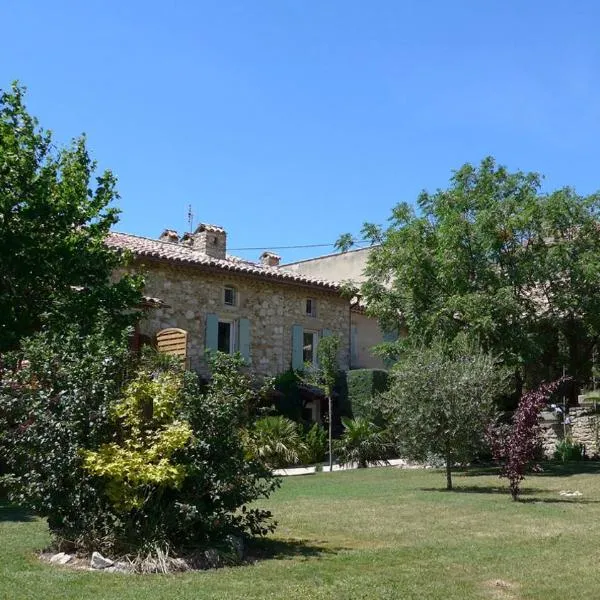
(183, 254)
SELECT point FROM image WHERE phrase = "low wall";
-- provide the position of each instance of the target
(583, 429)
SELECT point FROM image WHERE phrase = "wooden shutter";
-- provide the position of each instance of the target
(244, 339)
(297, 347)
(211, 339)
(172, 341)
(325, 333)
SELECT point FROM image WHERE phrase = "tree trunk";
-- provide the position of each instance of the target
(448, 473)
(330, 435)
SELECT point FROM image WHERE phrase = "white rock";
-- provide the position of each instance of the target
(99, 562)
(62, 558)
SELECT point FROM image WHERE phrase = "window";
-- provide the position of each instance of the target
(309, 347)
(229, 296)
(311, 307)
(227, 337)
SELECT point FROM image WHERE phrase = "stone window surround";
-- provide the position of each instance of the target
(235, 294)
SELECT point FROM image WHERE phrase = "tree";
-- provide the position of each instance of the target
(55, 268)
(324, 377)
(494, 257)
(442, 401)
(517, 445)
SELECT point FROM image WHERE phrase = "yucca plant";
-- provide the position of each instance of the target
(276, 441)
(362, 442)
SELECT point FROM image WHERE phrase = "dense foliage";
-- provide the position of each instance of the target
(362, 385)
(363, 442)
(494, 257)
(55, 268)
(518, 445)
(441, 402)
(124, 455)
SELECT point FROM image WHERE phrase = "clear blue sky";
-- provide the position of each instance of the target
(292, 121)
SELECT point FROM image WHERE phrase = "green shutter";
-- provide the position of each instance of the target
(325, 333)
(244, 339)
(297, 347)
(211, 339)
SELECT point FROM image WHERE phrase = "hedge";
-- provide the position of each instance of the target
(360, 387)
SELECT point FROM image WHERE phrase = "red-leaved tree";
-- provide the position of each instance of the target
(516, 445)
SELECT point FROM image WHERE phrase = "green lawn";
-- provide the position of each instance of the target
(377, 533)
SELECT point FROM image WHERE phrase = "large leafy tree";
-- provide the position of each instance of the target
(54, 216)
(495, 257)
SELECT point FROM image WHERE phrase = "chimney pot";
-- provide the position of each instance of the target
(169, 235)
(270, 259)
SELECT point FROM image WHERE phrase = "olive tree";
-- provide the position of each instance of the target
(441, 401)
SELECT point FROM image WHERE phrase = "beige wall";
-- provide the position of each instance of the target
(271, 308)
(345, 266)
(366, 334)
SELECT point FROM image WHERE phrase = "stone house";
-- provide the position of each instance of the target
(364, 330)
(205, 299)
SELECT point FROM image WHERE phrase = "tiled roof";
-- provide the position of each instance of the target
(185, 255)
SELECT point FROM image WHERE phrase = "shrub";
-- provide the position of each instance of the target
(125, 456)
(275, 441)
(567, 450)
(362, 442)
(315, 442)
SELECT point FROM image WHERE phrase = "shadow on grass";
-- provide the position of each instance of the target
(550, 469)
(559, 469)
(268, 549)
(524, 492)
(10, 512)
(481, 489)
(576, 500)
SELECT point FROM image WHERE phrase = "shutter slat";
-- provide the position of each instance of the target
(297, 350)
(244, 339)
(172, 341)
(212, 332)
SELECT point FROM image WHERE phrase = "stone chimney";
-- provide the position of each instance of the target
(169, 235)
(208, 239)
(270, 259)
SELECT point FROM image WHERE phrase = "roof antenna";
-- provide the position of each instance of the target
(190, 217)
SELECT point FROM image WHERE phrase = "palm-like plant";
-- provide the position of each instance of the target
(363, 442)
(276, 441)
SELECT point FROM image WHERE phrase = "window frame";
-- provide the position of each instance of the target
(313, 307)
(233, 335)
(234, 291)
(315, 342)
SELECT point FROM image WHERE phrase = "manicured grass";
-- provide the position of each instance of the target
(377, 533)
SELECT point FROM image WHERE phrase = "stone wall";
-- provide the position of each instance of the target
(584, 429)
(271, 307)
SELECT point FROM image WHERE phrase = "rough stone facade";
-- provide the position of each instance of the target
(272, 309)
(583, 429)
